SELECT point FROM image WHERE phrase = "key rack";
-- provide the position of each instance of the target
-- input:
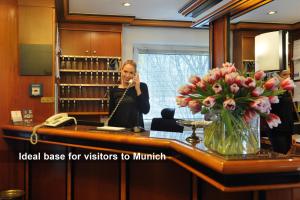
(85, 82)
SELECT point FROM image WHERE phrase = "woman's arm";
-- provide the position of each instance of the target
(143, 99)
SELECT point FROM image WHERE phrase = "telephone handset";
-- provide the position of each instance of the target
(58, 119)
(53, 121)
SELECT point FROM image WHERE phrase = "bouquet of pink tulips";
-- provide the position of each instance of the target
(237, 98)
(227, 89)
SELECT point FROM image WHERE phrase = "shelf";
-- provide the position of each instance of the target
(83, 99)
(89, 70)
(87, 113)
(99, 57)
(248, 60)
(87, 85)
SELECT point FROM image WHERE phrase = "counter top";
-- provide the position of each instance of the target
(195, 158)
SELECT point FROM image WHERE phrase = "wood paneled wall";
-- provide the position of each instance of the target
(8, 65)
(36, 26)
(8, 55)
(11, 170)
(14, 88)
(30, 25)
(219, 41)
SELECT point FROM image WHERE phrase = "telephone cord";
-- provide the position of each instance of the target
(113, 112)
(34, 136)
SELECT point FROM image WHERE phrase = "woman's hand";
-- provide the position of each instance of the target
(136, 82)
(136, 79)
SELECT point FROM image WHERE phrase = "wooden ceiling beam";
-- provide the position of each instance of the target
(161, 23)
(232, 8)
(248, 8)
(263, 26)
(194, 7)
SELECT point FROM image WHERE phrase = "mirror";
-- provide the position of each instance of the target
(259, 21)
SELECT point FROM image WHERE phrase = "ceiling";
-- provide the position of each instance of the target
(141, 9)
(287, 13)
(287, 10)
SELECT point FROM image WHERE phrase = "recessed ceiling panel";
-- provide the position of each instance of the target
(141, 9)
(287, 13)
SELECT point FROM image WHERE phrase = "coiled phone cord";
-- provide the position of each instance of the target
(34, 136)
(122, 97)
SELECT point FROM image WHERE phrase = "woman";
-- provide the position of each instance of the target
(135, 103)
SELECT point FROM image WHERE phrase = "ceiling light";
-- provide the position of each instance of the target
(126, 4)
(272, 12)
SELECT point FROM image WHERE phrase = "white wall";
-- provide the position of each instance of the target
(136, 35)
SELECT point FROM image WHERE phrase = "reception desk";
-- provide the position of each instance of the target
(79, 162)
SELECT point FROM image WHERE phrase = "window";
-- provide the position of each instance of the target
(164, 72)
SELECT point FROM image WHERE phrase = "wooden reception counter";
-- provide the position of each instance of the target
(78, 162)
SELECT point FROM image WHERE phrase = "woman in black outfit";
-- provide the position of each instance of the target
(135, 102)
(281, 136)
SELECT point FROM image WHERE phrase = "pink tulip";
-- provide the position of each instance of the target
(216, 72)
(249, 115)
(249, 82)
(194, 79)
(287, 84)
(224, 71)
(182, 101)
(257, 91)
(209, 101)
(259, 75)
(210, 78)
(262, 104)
(230, 78)
(240, 80)
(179, 101)
(234, 88)
(273, 99)
(217, 88)
(271, 84)
(232, 69)
(273, 120)
(195, 106)
(201, 84)
(186, 89)
(229, 104)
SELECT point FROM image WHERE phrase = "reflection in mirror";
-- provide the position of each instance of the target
(258, 21)
(270, 51)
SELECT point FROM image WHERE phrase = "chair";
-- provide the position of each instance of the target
(167, 122)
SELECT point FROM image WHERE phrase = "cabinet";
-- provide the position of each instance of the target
(90, 43)
(89, 67)
(244, 48)
(84, 83)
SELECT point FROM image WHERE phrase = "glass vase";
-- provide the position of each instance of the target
(231, 135)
